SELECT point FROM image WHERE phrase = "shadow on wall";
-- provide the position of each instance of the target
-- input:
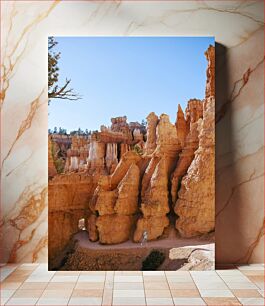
(224, 148)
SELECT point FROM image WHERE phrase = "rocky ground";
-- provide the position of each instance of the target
(179, 253)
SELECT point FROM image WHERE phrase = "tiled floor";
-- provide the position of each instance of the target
(33, 284)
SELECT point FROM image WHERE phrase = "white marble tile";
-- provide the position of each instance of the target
(128, 279)
(91, 278)
(241, 285)
(128, 301)
(159, 301)
(128, 293)
(215, 293)
(53, 301)
(22, 301)
(85, 301)
(188, 301)
(251, 301)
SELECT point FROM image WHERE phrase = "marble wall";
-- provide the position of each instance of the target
(238, 27)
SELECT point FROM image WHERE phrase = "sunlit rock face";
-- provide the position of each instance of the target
(128, 190)
(154, 192)
(190, 142)
(111, 156)
(115, 202)
(95, 162)
(210, 73)
(195, 204)
(181, 126)
(196, 198)
(68, 196)
(150, 144)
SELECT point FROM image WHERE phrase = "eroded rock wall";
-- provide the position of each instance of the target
(195, 205)
(115, 202)
(68, 197)
(155, 201)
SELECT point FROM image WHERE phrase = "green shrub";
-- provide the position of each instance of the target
(153, 261)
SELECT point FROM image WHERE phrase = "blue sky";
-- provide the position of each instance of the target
(130, 76)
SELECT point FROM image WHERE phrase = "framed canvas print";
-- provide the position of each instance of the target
(131, 153)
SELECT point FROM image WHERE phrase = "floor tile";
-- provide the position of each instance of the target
(251, 301)
(211, 285)
(91, 278)
(232, 272)
(53, 301)
(216, 293)
(129, 273)
(260, 285)
(12, 278)
(155, 278)
(94, 272)
(246, 293)
(129, 286)
(22, 301)
(67, 273)
(261, 292)
(256, 278)
(188, 301)
(245, 285)
(157, 293)
(235, 278)
(251, 267)
(10, 285)
(153, 273)
(156, 285)
(56, 293)
(253, 272)
(182, 293)
(128, 293)
(3, 300)
(107, 297)
(33, 286)
(39, 278)
(179, 279)
(159, 301)
(218, 301)
(182, 286)
(64, 279)
(128, 279)
(6, 271)
(87, 293)
(177, 273)
(6, 292)
(131, 301)
(60, 286)
(85, 301)
(89, 285)
(28, 293)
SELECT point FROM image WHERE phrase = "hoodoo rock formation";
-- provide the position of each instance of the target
(195, 204)
(115, 202)
(131, 182)
(150, 144)
(190, 142)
